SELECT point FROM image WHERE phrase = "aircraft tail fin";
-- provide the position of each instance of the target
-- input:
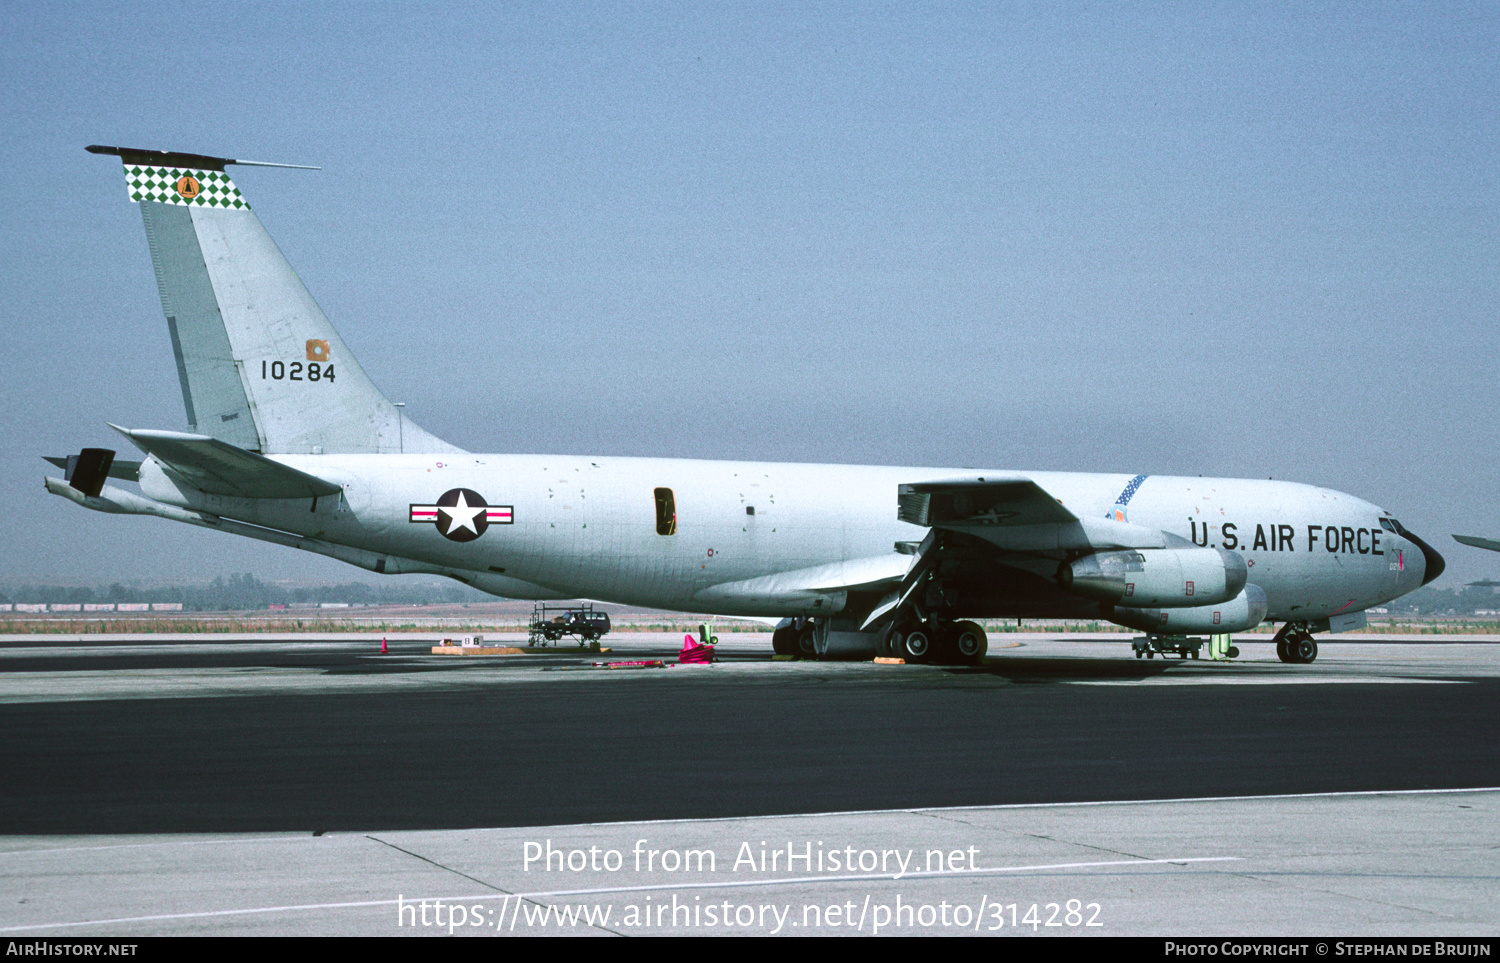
(261, 366)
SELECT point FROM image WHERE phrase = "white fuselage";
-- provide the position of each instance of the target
(588, 527)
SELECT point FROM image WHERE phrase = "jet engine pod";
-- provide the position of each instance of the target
(1245, 611)
(1157, 577)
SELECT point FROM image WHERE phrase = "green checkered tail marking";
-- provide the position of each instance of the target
(213, 188)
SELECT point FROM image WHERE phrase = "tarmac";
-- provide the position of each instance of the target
(253, 786)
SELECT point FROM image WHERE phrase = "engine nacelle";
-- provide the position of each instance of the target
(1245, 611)
(1157, 577)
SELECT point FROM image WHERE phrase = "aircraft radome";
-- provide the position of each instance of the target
(291, 443)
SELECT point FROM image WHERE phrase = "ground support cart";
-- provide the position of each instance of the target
(551, 623)
(1151, 646)
(1183, 647)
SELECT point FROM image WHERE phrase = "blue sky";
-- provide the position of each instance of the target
(1243, 240)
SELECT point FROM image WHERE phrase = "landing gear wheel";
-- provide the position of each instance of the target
(1284, 638)
(917, 644)
(895, 643)
(970, 643)
(807, 647)
(784, 641)
(884, 649)
(1303, 649)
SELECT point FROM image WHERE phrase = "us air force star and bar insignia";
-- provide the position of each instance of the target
(462, 515)
(179, 185)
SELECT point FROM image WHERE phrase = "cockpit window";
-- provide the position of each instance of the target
(1391, 525)
(666, 512)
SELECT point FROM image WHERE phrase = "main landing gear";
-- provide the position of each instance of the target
(797, 639)
(1294, 644)
(933, 641)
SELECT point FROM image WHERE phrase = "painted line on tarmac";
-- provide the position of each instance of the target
(606, 890)
(221, 841)
(1266, 680)
(923, 810)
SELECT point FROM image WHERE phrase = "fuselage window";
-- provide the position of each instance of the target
(666, 512)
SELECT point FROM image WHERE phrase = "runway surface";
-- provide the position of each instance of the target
(149, 783)
(1381, 865)
(247, 736)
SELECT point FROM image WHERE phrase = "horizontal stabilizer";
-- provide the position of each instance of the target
(1478, 542)
(123, 470)
(172, 158)
(1010, 501)
(220, 468)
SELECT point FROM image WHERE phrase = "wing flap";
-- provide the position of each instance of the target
(220, 468)
(810, 584)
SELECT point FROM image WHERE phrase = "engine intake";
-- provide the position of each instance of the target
(1157, 577)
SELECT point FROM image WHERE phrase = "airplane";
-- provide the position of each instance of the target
(1488, 543)
(290, 442)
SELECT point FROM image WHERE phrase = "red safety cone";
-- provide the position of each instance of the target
(383, 649)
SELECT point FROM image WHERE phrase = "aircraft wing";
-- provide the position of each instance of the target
(1015, 514)
(993, 535)
(968, 502)
(220, 468)
(1478, 542)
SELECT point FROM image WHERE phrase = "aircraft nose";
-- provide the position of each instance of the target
(1433, 561)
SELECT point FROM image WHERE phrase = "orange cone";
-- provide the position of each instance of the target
(383, 649)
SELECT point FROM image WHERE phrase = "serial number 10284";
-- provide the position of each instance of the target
(296, 371)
